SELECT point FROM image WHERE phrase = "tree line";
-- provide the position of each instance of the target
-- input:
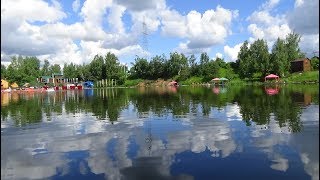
(254, 61)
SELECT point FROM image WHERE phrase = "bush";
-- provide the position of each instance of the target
(192, 80)
(133, 82)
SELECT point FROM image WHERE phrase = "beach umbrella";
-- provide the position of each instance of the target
(223, 79)
(216, 79)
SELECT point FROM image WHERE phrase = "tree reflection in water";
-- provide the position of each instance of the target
(107, 104)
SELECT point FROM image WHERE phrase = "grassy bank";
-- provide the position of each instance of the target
(305, 77)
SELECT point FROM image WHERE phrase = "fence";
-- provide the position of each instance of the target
(106, 83)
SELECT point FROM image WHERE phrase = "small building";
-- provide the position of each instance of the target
(57, 78)
(300, 65)
(14, 85)
(4, 84)
(45, 79)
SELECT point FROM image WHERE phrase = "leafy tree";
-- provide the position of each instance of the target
(279, 58)
(176, 63)
(314, 63)
(292, 46)
(112, 67)
(260, 57)
(157, 67)
(3, 71)
(194, 67)
(245, 62)
(70, 71)
(204, 61)
(140, 68)
(45, 68)
(97, 67)
(55, 69)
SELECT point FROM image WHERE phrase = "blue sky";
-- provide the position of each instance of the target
(75, 31)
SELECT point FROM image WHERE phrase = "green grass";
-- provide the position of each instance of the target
(305, 77)
(192, 80)
(130, 83)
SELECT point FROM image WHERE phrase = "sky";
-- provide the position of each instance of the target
(75, 31)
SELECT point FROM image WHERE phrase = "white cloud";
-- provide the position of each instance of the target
(219, 55)
(298, 3)
(93, 11)
(173, 24)
(114, 18)
(232, 52)
(136, 5)
(264, 18)
(32, 11)
(304, 18)
(201, 30)
(270, 4)
(76, 5)
(183, 48)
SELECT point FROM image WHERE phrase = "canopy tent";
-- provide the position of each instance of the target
(224, 79)
(271, 76)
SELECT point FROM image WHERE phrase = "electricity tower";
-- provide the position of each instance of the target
(144, 41)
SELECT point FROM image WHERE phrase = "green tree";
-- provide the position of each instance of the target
(70, 71)
(3, 71)
(194, 67)
(45, 68)
(140, 68)
(314, 63)
(279, 58)
(245, 62)
(203, 67)
(292, 46)
(97, 67)
(157, 67)
(260, 57)
(55, 69)
(112, 66)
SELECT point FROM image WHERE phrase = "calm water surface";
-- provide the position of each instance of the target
(162, 133)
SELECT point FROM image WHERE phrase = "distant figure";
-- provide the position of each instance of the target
(174, 83)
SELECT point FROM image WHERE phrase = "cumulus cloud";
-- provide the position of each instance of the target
(183, 48)
(136, 5)
(232, 52)
(219, 55)
(200, 30)
(304, 18)
(18, 36)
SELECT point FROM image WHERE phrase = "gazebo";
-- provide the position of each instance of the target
(271, 76)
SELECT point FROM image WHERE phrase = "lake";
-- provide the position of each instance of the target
(220, 132)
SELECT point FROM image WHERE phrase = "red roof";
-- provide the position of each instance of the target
(271, 76)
